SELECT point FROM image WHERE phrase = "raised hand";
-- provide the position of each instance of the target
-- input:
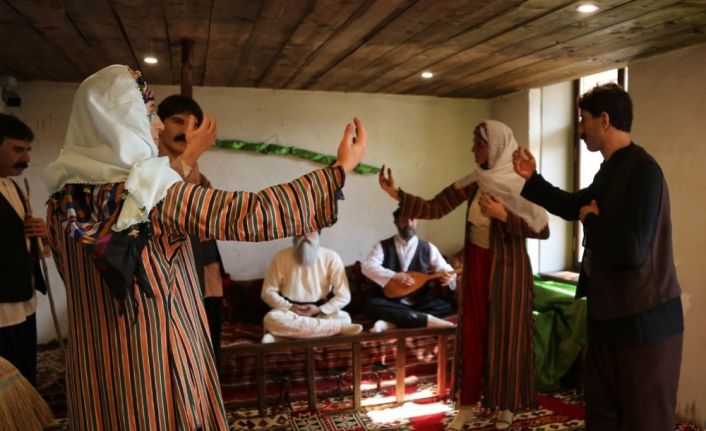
(492, 207)
(198, 139)
(387, 183)
(524, 163)
(353, 146)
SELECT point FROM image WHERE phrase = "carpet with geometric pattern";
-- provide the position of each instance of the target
(557, 412)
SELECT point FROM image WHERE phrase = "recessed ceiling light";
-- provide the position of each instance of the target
(427, 74)
(587, 8)
(150, 60)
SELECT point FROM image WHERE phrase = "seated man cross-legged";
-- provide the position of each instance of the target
(388, 264)
(306, 287)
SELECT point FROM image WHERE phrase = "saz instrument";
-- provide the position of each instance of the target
(394, 289)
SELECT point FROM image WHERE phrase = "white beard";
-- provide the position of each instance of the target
(306, 250)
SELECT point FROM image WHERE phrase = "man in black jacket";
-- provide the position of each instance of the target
(635, 318)
(19, 254)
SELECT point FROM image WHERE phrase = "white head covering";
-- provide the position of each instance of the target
(500, 179)
(109, 141)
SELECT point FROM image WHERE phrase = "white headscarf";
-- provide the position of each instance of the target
(109, 141)
(500, 179)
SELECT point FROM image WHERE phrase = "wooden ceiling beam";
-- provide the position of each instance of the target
(100, 30)
(367, 20)
(419, 17)
(492, 19)
(62, 35)
(145, 30)
(551, 30)
(229, 31)
(320, 25)
(597, 57)
(274, 26)
(567, 39)
(44, 62)
(188, 20)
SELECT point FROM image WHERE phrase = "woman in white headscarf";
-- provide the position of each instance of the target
(139, 355)
(494, 338)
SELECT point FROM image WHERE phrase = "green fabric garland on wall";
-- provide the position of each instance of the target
(266, 148)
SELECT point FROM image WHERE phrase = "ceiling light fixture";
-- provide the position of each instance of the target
(587, 8)
(151, 60)
(427, 74)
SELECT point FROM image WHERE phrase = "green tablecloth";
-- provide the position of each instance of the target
(559, 331)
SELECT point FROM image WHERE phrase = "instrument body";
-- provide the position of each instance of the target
(395, 289)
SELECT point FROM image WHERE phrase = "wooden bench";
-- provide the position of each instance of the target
(260, 351)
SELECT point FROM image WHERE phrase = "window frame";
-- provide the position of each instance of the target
(622, 80)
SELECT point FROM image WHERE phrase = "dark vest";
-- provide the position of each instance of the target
(390, 260)
(17, 265)
(619, 292)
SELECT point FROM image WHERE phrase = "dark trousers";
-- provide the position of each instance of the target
(213, 306)
(18, 344)
(406, 316)
(632, 388)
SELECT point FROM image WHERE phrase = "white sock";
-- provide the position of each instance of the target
(351, 329)
(268, 338)
(435, 322)
(504, 419)
(381, 326)
(464, 415)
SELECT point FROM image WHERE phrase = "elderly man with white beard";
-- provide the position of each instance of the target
(306, 287)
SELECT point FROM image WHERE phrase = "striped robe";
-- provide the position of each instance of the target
(153, 369)
(508, 378)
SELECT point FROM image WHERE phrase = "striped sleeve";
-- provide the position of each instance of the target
(443, 203)
(517, 226)
(306, 204)
(54, 238)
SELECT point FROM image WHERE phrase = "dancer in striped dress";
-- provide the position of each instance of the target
(494, 337)
(139, 355)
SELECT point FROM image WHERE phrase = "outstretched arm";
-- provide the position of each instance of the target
(306, 204)
(538, 190)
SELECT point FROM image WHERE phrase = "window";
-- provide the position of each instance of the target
(586, 163)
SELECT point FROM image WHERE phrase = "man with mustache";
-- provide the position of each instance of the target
(175, 111)
(19, 255)
(391, 259)
(635, 317)
(307, 288)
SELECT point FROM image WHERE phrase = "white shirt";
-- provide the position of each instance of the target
(14, 313)
(373, 269)
(288, 278)
(480, 233)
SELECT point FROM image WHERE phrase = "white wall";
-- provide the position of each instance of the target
(425, 140)
(669, 96)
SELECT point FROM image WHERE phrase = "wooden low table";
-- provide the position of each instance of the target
(260, 351)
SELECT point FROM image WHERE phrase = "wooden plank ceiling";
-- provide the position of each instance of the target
(475, 48)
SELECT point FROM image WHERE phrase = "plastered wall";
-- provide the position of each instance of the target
(669, 93)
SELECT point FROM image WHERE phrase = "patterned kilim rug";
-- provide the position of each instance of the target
(557, 412)
(411, 416)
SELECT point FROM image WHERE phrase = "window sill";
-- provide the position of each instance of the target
(569, 277)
